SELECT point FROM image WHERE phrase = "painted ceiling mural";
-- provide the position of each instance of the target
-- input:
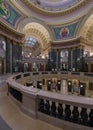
(65, 32)
(57, 4)
(8, 13)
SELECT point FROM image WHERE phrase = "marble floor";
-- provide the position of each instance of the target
(17, 120)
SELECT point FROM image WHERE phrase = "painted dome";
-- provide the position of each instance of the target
(55, 5)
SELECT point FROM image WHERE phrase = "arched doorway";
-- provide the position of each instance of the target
(39, 32)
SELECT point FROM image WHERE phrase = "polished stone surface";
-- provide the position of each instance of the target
(3, 125)
(16, 119)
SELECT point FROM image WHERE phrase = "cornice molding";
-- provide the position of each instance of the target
(67, 41)
(11, 33)
(71, 43)
(86, 41)
(52, 18)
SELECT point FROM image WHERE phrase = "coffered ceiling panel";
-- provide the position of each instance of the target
(39, 32)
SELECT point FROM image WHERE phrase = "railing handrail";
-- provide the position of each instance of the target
(82, 101)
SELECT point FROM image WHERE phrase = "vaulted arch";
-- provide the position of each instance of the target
(86, 31)
(39, 32)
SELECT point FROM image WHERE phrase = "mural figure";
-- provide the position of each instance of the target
(3, 9)
(8, 13)
(64, 32)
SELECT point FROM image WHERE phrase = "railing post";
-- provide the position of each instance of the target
(30, 104)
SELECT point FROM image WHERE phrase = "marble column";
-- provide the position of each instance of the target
(4, 65)
(57, 59)
(69, 59)
(11, 58)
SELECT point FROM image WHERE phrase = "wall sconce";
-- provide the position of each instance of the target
(81, 86)
(69, 83)
(40, 84)
(58, 82)
(49, 82)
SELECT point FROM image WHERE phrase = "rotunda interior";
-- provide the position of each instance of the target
(46, 60)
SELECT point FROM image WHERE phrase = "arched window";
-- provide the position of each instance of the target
(30, 41)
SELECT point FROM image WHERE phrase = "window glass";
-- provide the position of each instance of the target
(30, 41)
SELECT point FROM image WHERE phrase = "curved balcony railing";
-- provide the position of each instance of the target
(64, 111)
(71, 75)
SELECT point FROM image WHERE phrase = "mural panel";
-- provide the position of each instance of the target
(57, 4)
(65, 32)
(8, 13)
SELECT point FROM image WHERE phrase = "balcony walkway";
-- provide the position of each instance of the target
(16, 120)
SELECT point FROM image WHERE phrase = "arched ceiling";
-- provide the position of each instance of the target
(87, 30)
(90, 33)
(54, 6)
(39, 32)
(54, 11)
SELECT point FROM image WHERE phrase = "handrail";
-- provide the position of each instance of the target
(77, 75)
(39, 103)
(46, 94)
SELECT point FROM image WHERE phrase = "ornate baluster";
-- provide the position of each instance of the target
(84, 116)
(60, 110)
(67, 112)
(91, 118)
(75, 113)
(53, 109)
(47, 107)
(41, 105)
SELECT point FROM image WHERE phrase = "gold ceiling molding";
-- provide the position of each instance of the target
(89, 34)
(38, 10)
(86, 41)
(39, 32)
(87, 30)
